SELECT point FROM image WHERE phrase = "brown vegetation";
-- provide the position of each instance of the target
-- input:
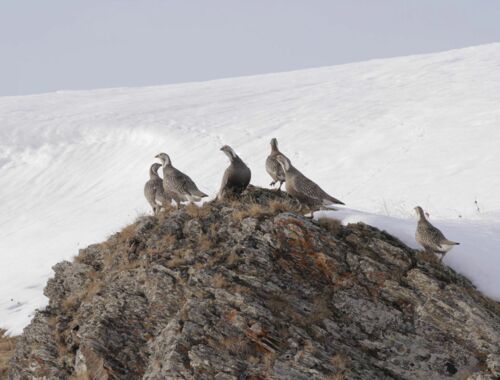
(260, 210)
(7, 346)
(332, 225)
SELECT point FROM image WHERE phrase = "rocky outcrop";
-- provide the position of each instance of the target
(251, 289)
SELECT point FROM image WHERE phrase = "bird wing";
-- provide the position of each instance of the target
(312, 190)
(183, 184)
(435, 233)
(249, 176)
(153, 191)
(430, 235)
(224, 181)
(274, 169)
(161, 196)
(149, 191)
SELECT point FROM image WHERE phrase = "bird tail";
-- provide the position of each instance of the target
(198, 193)
(332, 200)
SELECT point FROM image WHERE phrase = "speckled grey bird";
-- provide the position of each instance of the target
(303, 189)
(153, 190)
(177, 184)
(236, 177)
(431, 238)
(273, 167)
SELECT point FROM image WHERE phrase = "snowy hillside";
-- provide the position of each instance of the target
(383, 136)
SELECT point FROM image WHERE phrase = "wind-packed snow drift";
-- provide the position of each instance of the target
(382, 136)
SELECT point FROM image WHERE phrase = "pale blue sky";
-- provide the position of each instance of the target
(81, 44)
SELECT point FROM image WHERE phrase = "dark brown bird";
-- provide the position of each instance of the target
(273, 167)
(236, 177)
(177, 184)
(302, 188)
(153, 190)
(431, 238)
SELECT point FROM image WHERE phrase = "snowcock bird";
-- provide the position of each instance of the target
(153, 190)
(431, 238)
(236, 177)
(178, 185)
(302, 188)
(273, 167)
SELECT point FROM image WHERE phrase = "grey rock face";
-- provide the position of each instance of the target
(251, 291)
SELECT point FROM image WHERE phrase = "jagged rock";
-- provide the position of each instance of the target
(250, 289)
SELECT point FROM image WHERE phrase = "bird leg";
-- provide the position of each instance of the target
(281, 183)
(272, 183)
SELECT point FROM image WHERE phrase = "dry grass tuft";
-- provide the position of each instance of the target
(430, 257)
(321, 309)
(72, 302)
(277, 206)
(81, 376)
(7, 347)
(332, 225)
(236, 345)
(339, 361)
(176, 262)
(268, 360)
(205, 242)
(256, 210)
(92, 288)
(253, 210)
(127, 233)
(324, 263)
(219, 281)
(232, 258)
(337, 376)
(198, 211)
(166, 210)
(166, 242)
(180, 258)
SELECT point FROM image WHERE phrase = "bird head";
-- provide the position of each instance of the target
(155, 167)
(229, 152)
(164, 158)
(274, 144)
(419, 211)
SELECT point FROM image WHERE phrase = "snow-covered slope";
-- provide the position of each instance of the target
(383, 136)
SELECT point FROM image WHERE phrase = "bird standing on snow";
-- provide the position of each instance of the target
(302, 188)
(273, 167)
(236, 177)
(153, 190)
(430, 237)
(177, 184)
